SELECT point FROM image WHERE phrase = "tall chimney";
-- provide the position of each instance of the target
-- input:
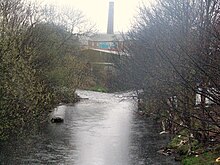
(110, 29)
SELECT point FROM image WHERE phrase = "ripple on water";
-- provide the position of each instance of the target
(100, 130)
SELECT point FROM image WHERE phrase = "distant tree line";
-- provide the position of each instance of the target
(38, 68)
(173, 54)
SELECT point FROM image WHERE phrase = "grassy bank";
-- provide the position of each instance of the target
(200, 154)
(207, 158)
(99, 89)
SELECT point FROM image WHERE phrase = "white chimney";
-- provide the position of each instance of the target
(110, 28)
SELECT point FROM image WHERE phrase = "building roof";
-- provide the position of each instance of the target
(106, 37)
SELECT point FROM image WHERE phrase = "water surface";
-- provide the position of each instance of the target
(101, 130)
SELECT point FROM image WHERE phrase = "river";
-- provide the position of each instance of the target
(101, 130)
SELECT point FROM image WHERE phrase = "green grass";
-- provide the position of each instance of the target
(99, 89)
(207, 158)
(204, 158)
(175, 142)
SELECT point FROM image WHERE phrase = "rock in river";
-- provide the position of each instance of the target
(57, 120)
(59, 114)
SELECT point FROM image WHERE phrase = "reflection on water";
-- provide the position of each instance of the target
(101, 130)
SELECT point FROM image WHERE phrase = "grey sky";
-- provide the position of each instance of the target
(97, 11)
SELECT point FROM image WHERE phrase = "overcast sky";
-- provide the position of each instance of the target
(97, 11)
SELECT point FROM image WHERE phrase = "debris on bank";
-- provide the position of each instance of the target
(199, 154)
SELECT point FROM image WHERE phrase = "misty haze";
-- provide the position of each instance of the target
(110, 82)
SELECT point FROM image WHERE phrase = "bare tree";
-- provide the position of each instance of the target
(172, 55)
(27, 55)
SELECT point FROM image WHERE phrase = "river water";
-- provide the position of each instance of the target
(101, 130)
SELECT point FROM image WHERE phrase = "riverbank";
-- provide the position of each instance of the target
(177, 147)
(153, 141)
(200, 154)
(190, 142)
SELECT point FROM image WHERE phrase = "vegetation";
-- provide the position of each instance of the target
(208, 158)
(38, 68)
(173, 55)
(103, 76)
(99, 89)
